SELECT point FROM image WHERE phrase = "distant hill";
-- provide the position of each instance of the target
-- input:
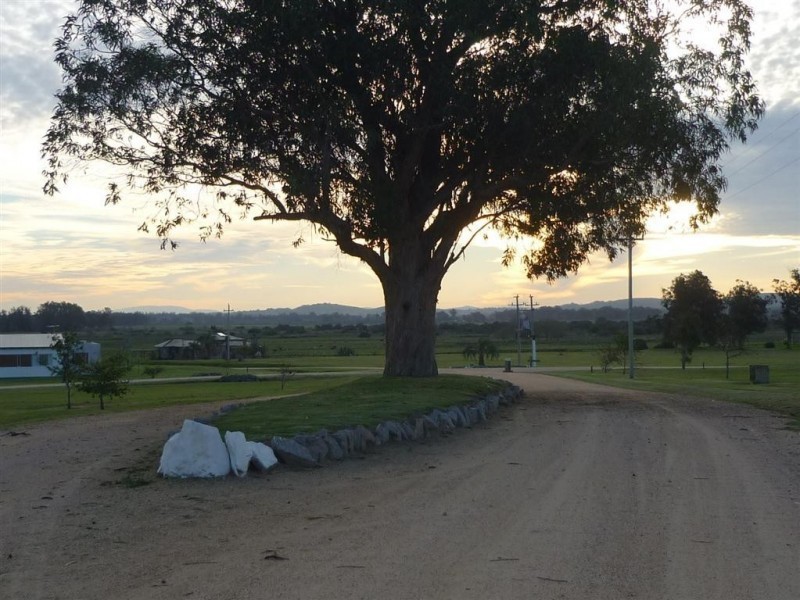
(155, 309)
(326, 308)
(637, 302)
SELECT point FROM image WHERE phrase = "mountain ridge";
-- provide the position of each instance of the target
(327, 308)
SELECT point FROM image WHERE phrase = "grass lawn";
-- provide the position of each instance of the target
(366, 401)
(657, 371)
(31, 404)
(781, 394)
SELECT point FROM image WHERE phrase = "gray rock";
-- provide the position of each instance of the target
(316, 446)
(382, 433)
(446, 423)
(344, 437)
(457, 416)
(291, 453)
(429, 424)
(512, 393)
(395, 430)
(196, 451)
(335, 451)
(367, 436)
(408, 430)
(418, 426)
(263, 457)
(474, 414)
(359, 443)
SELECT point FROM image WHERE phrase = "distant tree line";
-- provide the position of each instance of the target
(678, 326)
(67, 316)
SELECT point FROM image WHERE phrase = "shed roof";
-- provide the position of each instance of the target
(25, 340)
(176, 343)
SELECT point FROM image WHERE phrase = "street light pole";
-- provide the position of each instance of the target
(630, 308)
(519, 335)
(534, 359)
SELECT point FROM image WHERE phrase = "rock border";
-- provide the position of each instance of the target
(312, 450)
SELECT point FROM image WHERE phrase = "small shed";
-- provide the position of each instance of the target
(30, 355)
(176, 348)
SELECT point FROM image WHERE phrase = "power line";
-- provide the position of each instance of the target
(772, 132)
(755, 183)
(755, 158)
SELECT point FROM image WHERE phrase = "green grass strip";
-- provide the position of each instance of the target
(366, 401)
(33, 404)
(781, 394)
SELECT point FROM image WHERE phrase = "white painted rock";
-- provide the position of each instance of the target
(239, 451)
(263, 457)
(197, 450)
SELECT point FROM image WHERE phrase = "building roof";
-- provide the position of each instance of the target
(25, 340)
(221, 337)
(176, 343)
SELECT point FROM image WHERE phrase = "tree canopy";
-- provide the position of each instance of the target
(70, 362)
(789, 295)
(745, 311)
(105, 378)
(402, 129)
(694, 309)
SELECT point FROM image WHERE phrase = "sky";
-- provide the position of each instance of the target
(72, 248)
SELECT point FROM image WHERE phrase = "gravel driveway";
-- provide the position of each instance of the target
(578, 491)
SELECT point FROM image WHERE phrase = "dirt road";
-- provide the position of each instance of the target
(579, 491)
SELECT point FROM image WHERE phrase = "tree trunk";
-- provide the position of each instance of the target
(411, 291)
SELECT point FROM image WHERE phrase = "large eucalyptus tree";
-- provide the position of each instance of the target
(402, 128)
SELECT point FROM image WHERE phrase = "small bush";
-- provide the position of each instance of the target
(769, 345)
(241, 377)
(152, 372)
(345, 351)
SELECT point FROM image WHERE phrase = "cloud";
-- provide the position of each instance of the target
(28, 73)
(775, 54)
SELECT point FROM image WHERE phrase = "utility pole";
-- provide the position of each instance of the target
(534, 360)
(519, 336)
(228, 335)
(631, 361)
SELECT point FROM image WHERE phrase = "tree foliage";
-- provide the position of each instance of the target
(694, 309)
(61, 316)
(789, 295)
(17, 319)
(105, 378)
(482, 350)
(71, 363)
(745, 312)
(401, 130)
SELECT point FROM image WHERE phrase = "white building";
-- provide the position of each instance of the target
(30, 354)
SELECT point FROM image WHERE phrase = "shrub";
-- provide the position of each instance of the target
(345, 351)
(151, 372)
(238, 378)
